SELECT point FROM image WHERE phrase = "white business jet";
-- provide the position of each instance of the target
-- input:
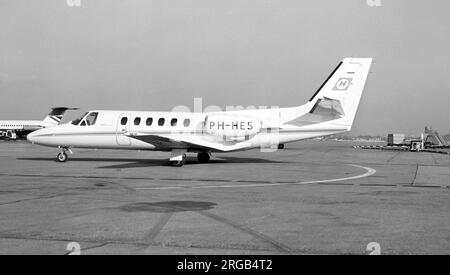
(13, 129)
(331, 110)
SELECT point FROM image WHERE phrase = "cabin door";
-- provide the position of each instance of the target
(123, 127)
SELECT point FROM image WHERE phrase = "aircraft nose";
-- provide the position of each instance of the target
(32, 137)
(36, 136)
(43, 136)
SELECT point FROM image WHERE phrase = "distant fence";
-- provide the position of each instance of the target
(400, 148)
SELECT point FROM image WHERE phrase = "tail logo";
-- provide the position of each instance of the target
(342, 84)
(57, 119)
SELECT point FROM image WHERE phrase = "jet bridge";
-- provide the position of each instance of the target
(434, 139)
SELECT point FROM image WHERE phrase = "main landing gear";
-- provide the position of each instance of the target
(62, 156)
(178, 157)
(203, 157)
(179, 162)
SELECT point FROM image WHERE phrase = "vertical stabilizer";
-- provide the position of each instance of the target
(56, 115)
(342, 90)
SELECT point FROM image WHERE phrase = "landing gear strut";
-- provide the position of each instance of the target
(203, 157)
(62, 156)
(178, 158)
(178, 163)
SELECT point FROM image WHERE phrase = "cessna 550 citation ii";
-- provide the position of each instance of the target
(331, 110)
(13, 129)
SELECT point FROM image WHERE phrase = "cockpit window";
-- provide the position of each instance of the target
(78, 120)
(91, 118)
(86, 119)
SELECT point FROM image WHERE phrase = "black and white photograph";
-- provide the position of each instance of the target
(224, 135)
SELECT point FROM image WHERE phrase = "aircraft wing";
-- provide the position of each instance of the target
(184, 142)
(160, 141)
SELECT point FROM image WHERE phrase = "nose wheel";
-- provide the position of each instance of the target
(62, 156)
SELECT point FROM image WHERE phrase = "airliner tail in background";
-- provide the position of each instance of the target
(56, 115)
(13, 129)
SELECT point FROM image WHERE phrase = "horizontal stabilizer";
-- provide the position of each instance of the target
(328, 107)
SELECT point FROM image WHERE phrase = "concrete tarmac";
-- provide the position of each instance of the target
(313, 197)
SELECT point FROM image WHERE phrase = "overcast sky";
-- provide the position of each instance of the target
(154, 55)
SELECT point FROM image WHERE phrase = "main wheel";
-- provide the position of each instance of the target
(281, 146)
(179, 163)
(203, 157)
(62, 157)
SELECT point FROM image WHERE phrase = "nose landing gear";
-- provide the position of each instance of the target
(62, 156)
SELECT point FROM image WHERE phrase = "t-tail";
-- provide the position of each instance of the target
(56, 115)
(337, 99)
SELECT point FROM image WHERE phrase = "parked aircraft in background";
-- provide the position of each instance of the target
(331, 110)
(14, 129)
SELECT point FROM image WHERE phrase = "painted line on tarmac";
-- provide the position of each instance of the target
(369, 172)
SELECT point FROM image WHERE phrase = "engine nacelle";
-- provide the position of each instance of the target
(232, 127)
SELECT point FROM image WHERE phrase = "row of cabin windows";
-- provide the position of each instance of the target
(10, 125)
(161, 121)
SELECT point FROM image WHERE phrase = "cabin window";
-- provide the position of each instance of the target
(91, 118)
(187, 122)
(149, 121)
(124, 121)
(174, 122)
(161, 121)
(137, 121)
